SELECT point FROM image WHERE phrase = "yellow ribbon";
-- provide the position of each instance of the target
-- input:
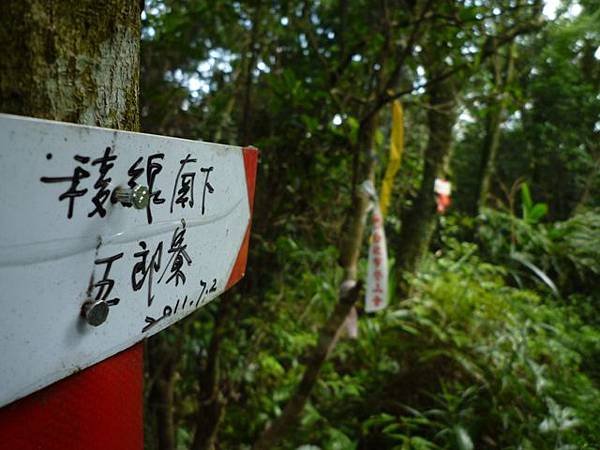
(396, 150)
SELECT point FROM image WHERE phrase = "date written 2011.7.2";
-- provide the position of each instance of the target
(182, 305)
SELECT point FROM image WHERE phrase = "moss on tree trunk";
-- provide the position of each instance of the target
(74, 61)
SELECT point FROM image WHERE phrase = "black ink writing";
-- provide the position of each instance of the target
(73, 192)
(144, 269)
(204, 285)
(180, 306)
(185, 193)
(106, 284)
(179, 255)
(151, 321)
(103, 193)
(207, 186)
(153, 168)
(144, 171)
(135, 172)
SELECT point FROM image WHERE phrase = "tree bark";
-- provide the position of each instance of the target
(494, 118)
(327, 339)
(419, 222)
(352, 238)
(489, 153)
(71, 61)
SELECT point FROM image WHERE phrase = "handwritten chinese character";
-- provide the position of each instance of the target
(141, 270)
(207, 186)
(73, 192)
(179, 255)
(185, 193)
(153, 168)
(103, 182)
(106, 284)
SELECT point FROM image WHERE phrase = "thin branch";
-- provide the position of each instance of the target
(406, 51)
(486, 53)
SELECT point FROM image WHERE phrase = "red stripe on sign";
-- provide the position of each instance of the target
(99, 408)
(250, 163)
(251, 155)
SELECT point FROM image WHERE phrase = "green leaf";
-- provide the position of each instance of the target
(538, 211)
(537, 271)
(354, 125)
(526, 199)
(463, 440)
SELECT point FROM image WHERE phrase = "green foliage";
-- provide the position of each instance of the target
(532, 212)
(567, 252)
(466, 362)
(485, 365)
(497, 346)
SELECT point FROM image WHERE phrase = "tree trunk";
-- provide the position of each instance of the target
(250, 67)
(352, 239)
(162, 366)
(327, 339)
(489, 153)
(350, 252)
(73, 61)
(211, 402)
(494, 118)
(419, 223)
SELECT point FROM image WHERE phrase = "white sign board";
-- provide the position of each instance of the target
(67, 241)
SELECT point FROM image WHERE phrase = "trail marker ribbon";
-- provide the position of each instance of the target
(376, 297)
(396, 150)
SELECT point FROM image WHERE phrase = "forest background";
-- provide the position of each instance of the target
(491, 337)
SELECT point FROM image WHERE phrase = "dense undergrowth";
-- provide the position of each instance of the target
(483, 354)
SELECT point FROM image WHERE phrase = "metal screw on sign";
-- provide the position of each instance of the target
(95, 312)
(139, 196)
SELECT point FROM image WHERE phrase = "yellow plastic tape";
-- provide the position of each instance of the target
(396, 150)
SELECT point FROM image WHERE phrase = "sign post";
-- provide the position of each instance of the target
(107, 237)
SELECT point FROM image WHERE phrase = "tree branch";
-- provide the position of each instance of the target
(485, 53)
(327, 339)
